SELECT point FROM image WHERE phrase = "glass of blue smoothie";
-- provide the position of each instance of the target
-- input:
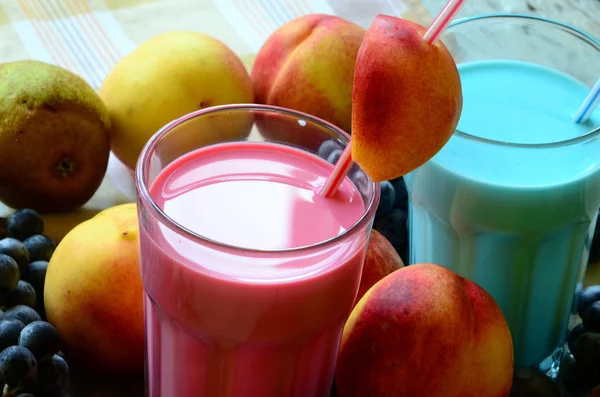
(511, 201)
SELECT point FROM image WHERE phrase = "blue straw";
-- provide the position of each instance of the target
(588, 106)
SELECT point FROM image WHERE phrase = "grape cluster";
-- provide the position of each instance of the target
(580, 368)
(391, 218)
(595, 246)
(30, 360)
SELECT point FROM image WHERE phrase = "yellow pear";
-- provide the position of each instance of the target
(167, 77)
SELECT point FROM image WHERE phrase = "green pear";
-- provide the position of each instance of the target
(54, 137)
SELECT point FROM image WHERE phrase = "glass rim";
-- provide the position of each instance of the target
(142, 170)
(581, 34)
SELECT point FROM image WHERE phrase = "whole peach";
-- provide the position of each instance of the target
(425, 331)
(93, 293)
(381, 260)
(308, 65)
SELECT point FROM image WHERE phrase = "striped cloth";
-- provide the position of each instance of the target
(89, 36)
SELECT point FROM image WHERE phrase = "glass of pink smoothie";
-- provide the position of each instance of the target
(249, 275)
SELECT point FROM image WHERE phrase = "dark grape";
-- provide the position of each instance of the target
(63, 370)
(334, 156)
(9, 333)
(568, 372)
(588, 296)
(530, 382)
(24, 314)
(401, 201)
(586, 350)
(24, 294)
(591, 317)
(327, 147)
(24, 223)
(40, 247)
(576, 377)
(9, 274)
(35, 274)
(16, 250)
(388, 196)
(360, 180)
(595, 247)
(574, 334)
(41, 339)
(393, 227)
(17, 365)
(25, 395)
(52, 375)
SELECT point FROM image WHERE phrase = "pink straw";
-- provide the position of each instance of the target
(442, 20)
(345, 162)
(342, 167)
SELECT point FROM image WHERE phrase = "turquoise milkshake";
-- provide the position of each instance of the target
(511, 201)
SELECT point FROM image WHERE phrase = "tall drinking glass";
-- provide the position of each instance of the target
(249, 275)
(511, 201)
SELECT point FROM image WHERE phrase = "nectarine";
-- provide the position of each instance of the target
(406, 99)
(381, 260)
(308, 65)
(425, 331)
(93, 293)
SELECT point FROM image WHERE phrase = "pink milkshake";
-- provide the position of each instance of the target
(251, 275)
